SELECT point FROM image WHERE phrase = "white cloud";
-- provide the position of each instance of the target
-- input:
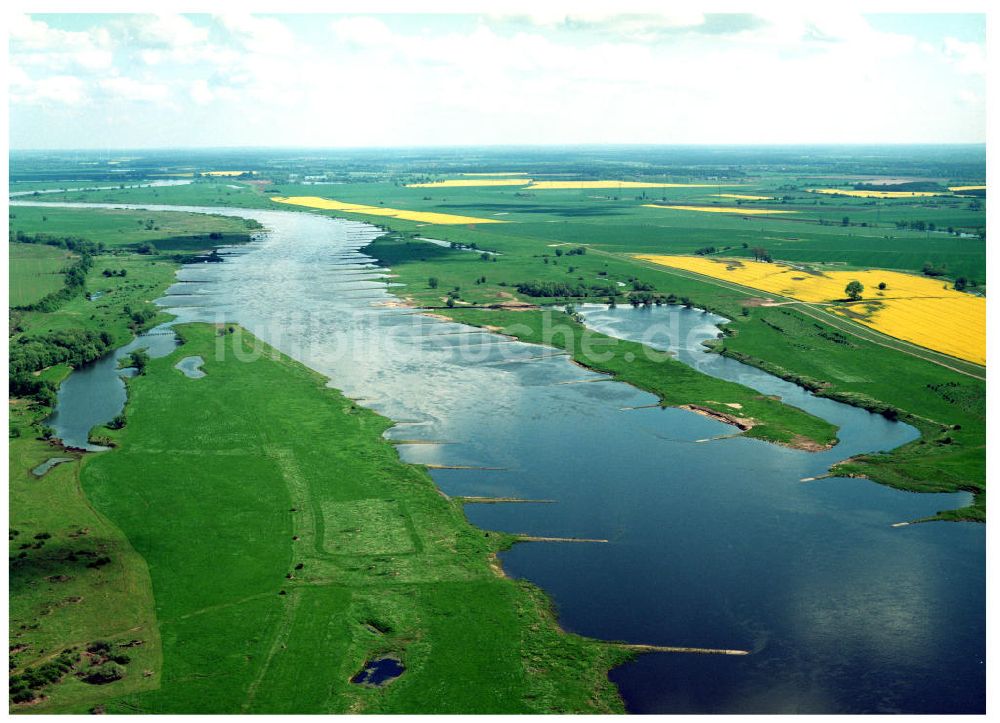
(362, 31)
(129, 89)
(55, 90)
(968, 58)
(201, 93)
(35, 43)
(557, 78)
(267, 36)
(164, 32)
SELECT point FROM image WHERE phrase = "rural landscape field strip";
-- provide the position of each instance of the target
(845, 325)
(471, 182)
(586, 185)
(444, 219)
(722, 209)
(924, 311)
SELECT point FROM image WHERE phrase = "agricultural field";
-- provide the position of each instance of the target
(618, 185)
(925, 311)
(440, 219)
(874, 193)
(466, 182)
(34, 271)
(721, 209)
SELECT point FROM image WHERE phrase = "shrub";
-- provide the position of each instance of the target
(107, 673)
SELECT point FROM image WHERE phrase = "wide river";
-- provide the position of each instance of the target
(711, 542)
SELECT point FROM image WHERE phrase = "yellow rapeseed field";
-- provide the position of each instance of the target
(583, 185)
(917, 309)
(966, 188)
(443, 219)
(472, 182)
(223, 173)
(720, 209)
(743, 197)
(873, 194)
(498, 173)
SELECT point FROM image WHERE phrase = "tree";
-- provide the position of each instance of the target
(881, 286)
(854, 290)
(432, 282)
(846, 221)
(960, 283)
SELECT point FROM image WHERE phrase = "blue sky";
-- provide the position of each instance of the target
(133, 81)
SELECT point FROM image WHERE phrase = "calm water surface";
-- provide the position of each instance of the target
(712, 543)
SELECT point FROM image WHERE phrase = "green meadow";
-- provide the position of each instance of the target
(121, 228)
(34, 271)
(287, 544)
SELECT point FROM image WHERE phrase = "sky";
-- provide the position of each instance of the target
(107, 81)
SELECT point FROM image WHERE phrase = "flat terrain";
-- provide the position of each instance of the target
(284, 530)
(34, 271)
(944, 397)
(116, 228)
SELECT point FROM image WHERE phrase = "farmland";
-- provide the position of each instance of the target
(721, 209)
(917, 309)
(446, 219)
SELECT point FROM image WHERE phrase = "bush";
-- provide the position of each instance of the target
(107, 673)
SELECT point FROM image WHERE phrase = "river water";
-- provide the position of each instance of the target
(712, 542)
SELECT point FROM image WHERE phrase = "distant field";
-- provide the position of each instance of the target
(617, 221)
(443, 219)
(472, 182)
(34, 271)
(721, 209)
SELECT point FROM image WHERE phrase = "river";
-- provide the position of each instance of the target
(711, 543)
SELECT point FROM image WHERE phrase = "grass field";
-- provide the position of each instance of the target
(145, 280)
(118, 228)
(34, 271)
(60, 598)
(286, 544)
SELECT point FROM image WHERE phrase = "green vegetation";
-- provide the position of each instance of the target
(172, 231)
(34, 272)
(614, 225)
(948, 407)
(676, 383)
(298, 543)
(74, 580)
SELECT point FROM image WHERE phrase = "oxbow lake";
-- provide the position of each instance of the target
(710, 543)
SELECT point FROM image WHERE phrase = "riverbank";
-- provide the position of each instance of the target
(334, 552)
(856, 370)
